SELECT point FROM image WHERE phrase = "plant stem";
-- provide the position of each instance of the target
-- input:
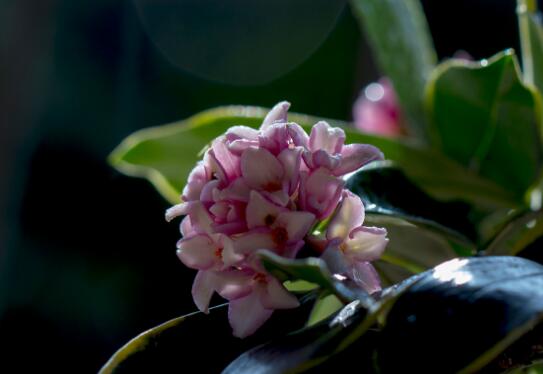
(524, 9)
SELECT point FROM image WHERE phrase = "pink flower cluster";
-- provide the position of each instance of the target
(267, 189)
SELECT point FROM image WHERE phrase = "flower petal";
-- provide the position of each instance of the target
(349, 214)
(320, 192)
(280, 197)
(203, 288)
(247, 314)
(298, 135)
(236, 191)
(253, 240)
(234, 284)
(321, 158)
(186, 227)
(198, 252)
(238, 146)
(196, 181)
(229, 255)
(215, 167)
(207, 194)
(291, 159)
(365, 276)
(228, 160)
(327, 138)
(200, 218)
(278, 113)
(241, 132)
(219, 210)
(274, 296)
(261, 170)
(366, 243)
(297, 224)
(178, 210)
(230, 228)
(354, 156)
(261, 211)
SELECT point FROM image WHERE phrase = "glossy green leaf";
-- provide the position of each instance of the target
(402, 44)
(166, 154)
(484, 117)
(305, 349)
(476, 313)
(531, 40)
(313, 270)
(185, 342)
(468, 315)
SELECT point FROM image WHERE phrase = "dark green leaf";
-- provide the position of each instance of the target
(304, 349)
(522, 229)
(165, 155)
(465, 315)
(423, 232)
(484, 117)
(400, 39)
(185, 342)
(385, 190)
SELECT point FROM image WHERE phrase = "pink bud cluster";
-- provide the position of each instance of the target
(267, 189)
(377, 110)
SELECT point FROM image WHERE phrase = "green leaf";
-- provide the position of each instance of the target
(307, 348)
(385, 190)
(166, 154)
(313, 270)
(423, 232)
(465, 315)
(484, 117)
(476, 313)
(324, 308)
(522, 230)
(184, 342)
(531, 40)
(401, 41)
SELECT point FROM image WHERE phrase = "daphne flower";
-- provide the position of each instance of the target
(326, 149)
(281, 229)
(351, 246)
(253, 296)
(263, 189)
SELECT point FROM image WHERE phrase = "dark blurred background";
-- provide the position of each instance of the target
(86, 259)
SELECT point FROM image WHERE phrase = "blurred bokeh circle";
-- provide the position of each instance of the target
(242, 42)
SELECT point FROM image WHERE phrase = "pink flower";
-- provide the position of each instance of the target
(326, 149)
(260, 189)
(377, 110)
(351, 246)
(253, 296)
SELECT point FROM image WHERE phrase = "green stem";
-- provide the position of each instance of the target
(524, 9)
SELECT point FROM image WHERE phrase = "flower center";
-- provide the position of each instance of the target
(280, 236)
(218, 252)
(272, 186)
(269, 220)
(260, 278)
